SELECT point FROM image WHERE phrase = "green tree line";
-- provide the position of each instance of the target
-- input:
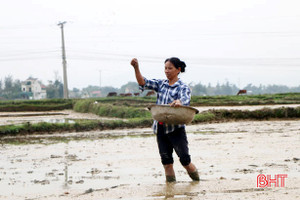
(11, 89)
(200, 89)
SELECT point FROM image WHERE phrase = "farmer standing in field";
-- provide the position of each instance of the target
(174, 92)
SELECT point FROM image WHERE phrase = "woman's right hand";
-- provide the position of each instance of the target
(135, 63)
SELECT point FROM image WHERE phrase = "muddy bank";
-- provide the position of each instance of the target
(229, 157)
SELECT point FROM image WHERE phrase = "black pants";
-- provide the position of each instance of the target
(176, 140)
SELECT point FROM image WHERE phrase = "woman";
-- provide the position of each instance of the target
(174, 92)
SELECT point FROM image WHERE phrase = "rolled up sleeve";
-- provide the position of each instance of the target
(152, 84)
(185, 95)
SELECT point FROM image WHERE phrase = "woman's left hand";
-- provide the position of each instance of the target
(176, 103)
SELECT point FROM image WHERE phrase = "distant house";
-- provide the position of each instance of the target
(32, 88)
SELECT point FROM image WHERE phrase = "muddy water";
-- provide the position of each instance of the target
(104, 165)
(50, 116)
(255, 107)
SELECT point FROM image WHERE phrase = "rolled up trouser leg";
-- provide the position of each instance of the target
(165, 146)
(180, 144)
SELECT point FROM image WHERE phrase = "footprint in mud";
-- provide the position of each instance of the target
(50, 174)
(275, 165)
(43, 182)
(157, 175)
(80, 182)
(55, 156)
(253, 165)
(245, 171)
(94, 171)
(72, 157)
(294, 159)
(111, 177)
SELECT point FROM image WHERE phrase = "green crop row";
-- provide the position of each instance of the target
(109, 110)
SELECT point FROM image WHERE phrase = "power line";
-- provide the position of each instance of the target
(28, 58)
(28, 53)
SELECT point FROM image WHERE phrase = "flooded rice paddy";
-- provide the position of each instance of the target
(125, 164)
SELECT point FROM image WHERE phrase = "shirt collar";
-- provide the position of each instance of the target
(177, 83)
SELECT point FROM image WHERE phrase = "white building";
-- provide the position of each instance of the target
(34, 88)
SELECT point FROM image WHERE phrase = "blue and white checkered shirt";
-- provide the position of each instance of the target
(166, 94)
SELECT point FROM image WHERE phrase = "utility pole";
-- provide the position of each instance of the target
(100, 78)
(64, 62)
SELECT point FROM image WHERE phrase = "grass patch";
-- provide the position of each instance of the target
(79, 125)
(35, 105)
(232, 100)
(262, 114)
(109, 110)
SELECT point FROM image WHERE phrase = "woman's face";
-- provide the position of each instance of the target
(171, 71)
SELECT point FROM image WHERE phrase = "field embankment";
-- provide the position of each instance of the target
(36, 105)
(131, 112)
(142, 102)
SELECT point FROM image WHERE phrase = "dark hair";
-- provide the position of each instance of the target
(177, 63)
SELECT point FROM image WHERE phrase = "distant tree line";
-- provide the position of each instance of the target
(231, 89)
(130, 87)
(201, 89)
(11, 89)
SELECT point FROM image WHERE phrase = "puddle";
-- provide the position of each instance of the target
(251, 108)
(64, 116)
(70, 121)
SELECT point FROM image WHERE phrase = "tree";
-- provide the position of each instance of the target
(55, 90)
(8, 83)
(1, 87)
(199, 90)
(12, 89)
(108, 89)
(129, 87)
(75, 93)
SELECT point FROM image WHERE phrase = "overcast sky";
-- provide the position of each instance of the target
(242, 41)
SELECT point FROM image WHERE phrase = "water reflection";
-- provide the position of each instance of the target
(169, 190)
(179, 190)
(66, 163)
(70, 121)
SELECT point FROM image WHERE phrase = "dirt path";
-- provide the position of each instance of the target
(229, 157)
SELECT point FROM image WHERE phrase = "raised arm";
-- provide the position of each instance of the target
(138, 75)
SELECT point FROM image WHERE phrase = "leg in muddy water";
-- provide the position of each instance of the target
(170, 174)
(192, 172)
(179, 141)
(166, 150)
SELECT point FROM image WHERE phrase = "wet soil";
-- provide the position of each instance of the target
(7, 118)
(125, 164)
(251, 108)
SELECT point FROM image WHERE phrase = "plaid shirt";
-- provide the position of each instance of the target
(166, 94)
